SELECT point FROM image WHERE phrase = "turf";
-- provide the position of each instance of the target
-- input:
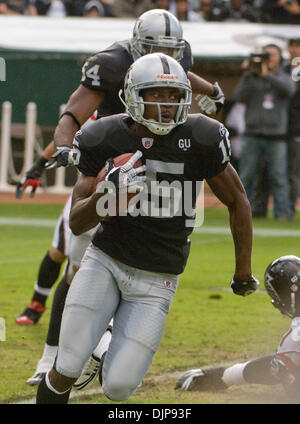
(207, 323)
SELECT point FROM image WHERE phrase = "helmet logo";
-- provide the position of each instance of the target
(270, 288)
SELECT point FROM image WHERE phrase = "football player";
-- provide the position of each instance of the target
(282, 283)
(102, 77)
(120, 275)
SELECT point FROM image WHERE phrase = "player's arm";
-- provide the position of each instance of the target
(229, 189)
(33, 175)
(81, 105)
(267, 370)
(210, 97)
(83, 214)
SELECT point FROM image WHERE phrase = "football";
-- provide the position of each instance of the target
(119, 161)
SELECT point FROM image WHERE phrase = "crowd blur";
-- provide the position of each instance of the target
(265, 130)
(263, 11)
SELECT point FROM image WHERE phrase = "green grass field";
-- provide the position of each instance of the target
(207, 324)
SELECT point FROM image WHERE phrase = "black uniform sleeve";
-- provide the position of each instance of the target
(219, 151)
(87, 157)
(187, 60)
(96, 73)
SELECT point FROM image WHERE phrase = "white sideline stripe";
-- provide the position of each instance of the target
(24, 222)
(262, 232)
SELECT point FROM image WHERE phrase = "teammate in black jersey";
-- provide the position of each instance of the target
(121, 276)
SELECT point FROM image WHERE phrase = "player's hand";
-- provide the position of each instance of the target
(126, 176)
(62, 157)
(244, 287)
(31, 179)
(211, 104)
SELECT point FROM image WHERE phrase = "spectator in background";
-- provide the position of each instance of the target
(213, 10)
(281, 11)
(183, 10)
(59, 8)
(266, 92)
(17, 7)
(161, 4)
(130, 8)
(239, 10)
(262, 192)
(107, 7)
(93, 9)
(294, 123)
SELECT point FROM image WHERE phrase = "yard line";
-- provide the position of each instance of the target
(28, 222)
(206, 229)
(261, 232)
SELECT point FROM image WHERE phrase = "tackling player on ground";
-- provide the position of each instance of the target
(282, 283)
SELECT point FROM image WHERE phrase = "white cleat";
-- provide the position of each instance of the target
(89, 373)
(94, 364)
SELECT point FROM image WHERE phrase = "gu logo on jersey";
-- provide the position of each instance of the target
(147, 142)
(168, 284)
(184, 143)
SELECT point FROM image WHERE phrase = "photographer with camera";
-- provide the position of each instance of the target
(266, 90)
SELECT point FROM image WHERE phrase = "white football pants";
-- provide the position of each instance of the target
(138, 300)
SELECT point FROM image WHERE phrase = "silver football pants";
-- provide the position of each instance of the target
(138, 300)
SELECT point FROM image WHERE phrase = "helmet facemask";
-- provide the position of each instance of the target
(159, 127)
(167, 45)
(151, 71)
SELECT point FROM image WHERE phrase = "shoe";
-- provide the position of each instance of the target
(202, 380)
(31, 314)
(44, 365)
(93, 366)
(89, 373)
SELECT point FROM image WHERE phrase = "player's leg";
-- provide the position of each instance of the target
(91, 302)
(276, 161)
(78, 245)
(139, 325)
(48, 273)
(49, 270)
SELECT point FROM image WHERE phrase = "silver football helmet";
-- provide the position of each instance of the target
(156, 70)
(157, 31)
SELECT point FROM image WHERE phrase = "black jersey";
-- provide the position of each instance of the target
(198, 149)
(106, 70)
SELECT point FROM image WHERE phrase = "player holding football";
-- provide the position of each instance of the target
(102, 78)
(120, 275)
(282, 285)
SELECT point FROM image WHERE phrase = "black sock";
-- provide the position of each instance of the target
(48, 274)
(45, 395)
(56, 312)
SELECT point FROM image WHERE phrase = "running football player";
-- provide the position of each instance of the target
(120, 275)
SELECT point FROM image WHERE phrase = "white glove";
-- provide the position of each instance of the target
(126, 175)
(211, 104)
